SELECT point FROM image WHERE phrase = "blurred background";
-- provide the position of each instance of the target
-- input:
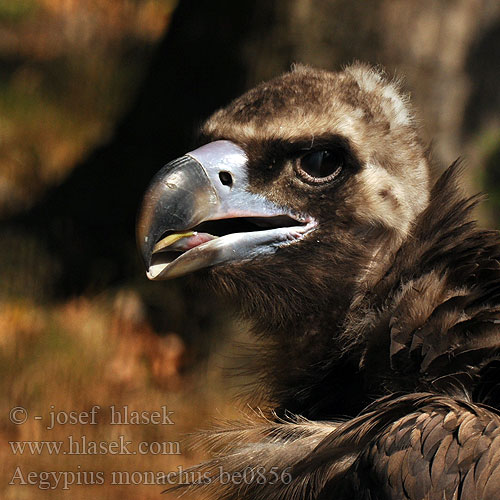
(95, 96)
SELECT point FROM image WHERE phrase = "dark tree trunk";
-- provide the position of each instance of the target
(86, 225)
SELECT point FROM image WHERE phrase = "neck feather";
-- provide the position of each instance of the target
(426, 317)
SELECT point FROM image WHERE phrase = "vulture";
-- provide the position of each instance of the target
(375, 296)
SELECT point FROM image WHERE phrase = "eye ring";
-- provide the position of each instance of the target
(320, 166)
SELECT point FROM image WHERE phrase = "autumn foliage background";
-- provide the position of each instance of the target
(94, 97)
(68, 71)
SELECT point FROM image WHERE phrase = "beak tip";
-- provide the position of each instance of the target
(144, 239)
(146, 252)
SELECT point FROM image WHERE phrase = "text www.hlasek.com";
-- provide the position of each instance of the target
(81, 446)
(65, 479)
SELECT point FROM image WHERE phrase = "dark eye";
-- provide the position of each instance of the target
(321, 165)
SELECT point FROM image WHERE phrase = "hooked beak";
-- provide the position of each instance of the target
(198, 213)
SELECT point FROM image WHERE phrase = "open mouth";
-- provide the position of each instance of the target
(226, 236)
(200, 211)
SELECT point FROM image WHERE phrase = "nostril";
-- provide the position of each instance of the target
(226, 178)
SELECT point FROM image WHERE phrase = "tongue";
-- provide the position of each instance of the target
(189, 242)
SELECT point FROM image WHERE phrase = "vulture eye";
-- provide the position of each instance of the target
(320, 166)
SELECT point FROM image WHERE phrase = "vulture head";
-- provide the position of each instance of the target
(377, 297)
(302, 189)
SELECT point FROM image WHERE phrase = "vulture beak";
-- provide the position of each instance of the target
(198, 212)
